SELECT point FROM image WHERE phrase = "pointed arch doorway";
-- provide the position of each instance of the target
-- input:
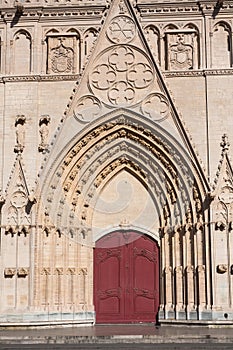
(126, 278)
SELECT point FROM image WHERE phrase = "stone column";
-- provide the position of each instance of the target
(162, 278)
(178, 271)
(190, 302)
(162, 52)
(201, 288)
(169, 307)
(190, 292)
(168, 274)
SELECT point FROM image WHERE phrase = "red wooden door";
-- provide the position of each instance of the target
(126, 278)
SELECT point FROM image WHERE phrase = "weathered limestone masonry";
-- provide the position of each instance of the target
(115, 116)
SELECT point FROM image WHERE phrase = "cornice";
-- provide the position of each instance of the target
(37, 78)
(215, 8)
(219, 71)
(51, 9)
(75, 77)
(55, 12)
(198, 73)
(62, 4)
(150, 9)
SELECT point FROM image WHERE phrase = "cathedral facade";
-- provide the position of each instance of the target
(116, 174)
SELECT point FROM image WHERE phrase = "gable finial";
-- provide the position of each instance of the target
(225, 144)
(121, 7)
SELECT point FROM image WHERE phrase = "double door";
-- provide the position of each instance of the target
(126, 278)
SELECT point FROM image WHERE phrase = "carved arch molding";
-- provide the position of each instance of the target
(121, 141)
(124, 141)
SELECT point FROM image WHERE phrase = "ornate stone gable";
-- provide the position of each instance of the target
(223, 184)
(18, 203)
(222, 230)
(121, 72)
(120, 97)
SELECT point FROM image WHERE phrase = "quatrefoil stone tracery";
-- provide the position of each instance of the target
(103, 76)
(140, 75)
(87, 108)
(121, 76)
(155, 106)
(121, 93)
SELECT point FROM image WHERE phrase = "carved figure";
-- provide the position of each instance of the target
(44, 132)
(90, 39)
(20, 133)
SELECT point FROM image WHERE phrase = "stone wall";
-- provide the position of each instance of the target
(103, 95)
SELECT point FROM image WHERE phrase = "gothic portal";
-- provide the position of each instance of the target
(116, 182)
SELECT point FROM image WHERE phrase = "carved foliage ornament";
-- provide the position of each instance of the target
(9, 272)
(22, 272)
(222, 268)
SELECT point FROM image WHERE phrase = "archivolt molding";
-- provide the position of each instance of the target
(153, 157)
(160, 185)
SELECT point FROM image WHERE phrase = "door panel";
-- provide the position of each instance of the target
(145, 279)
(126, 278)
(108, 277)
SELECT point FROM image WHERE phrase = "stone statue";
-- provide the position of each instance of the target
(20, 133)
(44, 132)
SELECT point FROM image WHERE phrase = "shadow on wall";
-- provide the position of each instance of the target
(19, 11)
